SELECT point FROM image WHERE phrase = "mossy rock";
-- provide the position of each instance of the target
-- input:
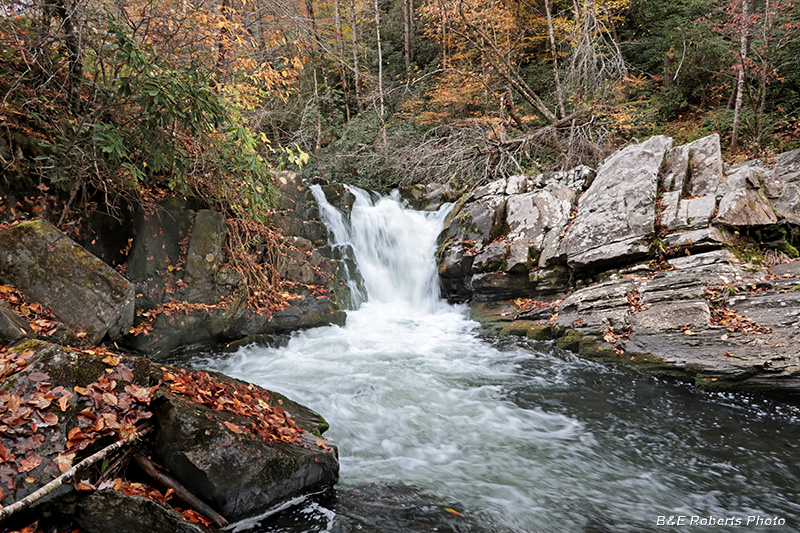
(516, 328)
(541, 332)
(571, 341)
(234, 472)
(49, 268)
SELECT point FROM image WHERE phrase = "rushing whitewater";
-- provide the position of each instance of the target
(516, 436)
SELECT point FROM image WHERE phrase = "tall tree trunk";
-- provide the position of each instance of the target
(408, 26)
(342, 70)
(356, 69)
(67, 11)
(445, 40)
(380, 70)
(317, 41)
(318, 143)
(744, 49)
(551, 33)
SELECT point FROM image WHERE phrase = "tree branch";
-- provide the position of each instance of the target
(32, 498)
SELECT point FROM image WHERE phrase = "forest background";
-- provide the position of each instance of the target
(104, 99)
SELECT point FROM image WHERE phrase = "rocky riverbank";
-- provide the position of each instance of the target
(663, 257)
(156, 448)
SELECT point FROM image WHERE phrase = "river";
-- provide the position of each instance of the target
(441, 428)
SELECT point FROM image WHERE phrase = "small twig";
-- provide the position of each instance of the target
(182, 492)
(32, 498)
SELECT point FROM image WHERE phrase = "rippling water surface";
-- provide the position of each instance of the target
(440, 428)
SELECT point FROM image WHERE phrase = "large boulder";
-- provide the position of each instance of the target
(215, 453)
(787, 172)
(695, 169)
(238, 447)
(616, 215)
(158, 234)
(110, 510)
(83, 292)
(532, 216)
(745, 208)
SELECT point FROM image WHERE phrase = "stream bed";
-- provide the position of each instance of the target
(442, 428)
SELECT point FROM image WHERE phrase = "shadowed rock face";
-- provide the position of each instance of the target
(236, 473)
(787, 173)
(83, 291)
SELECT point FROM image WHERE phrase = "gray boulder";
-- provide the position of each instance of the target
(617, 213)
(787, 172)
(696, 168)
(745, 208)
(83, 291)
(531, 216)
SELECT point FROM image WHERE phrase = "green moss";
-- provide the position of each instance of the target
(518, 328)
(571, 341)
(539, 332)
(788, 249)
(496, 265)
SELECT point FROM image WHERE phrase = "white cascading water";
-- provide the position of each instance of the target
(394, 249)
(521, 439)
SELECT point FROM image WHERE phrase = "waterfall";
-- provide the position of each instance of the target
(394, 248)
(516, 436)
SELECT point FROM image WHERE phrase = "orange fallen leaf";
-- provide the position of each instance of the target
(196, 517)
(233, 427)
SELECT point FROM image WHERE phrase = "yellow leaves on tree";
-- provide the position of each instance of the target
(238, 41)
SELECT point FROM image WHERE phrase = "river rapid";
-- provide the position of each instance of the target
(441, 428)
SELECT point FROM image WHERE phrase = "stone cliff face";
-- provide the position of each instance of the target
(663, 255)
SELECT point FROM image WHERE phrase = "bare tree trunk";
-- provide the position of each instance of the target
(317, 41)
(408, 17)
(559, 91)
(444, 38)
(68, 12)
(380, 70)
(318, 143)
(342, 70)
(744, 48)
(356, 70)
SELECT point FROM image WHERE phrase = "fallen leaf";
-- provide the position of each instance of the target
(233, 427)
(196, 517)
(109, 399)
(38, 376)
(30, 462)
(453, 511)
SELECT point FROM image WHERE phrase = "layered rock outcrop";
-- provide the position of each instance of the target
(665, 255)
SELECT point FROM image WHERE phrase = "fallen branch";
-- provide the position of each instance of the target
(182, 492)
(32, 498)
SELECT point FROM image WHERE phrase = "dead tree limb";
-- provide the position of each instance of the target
(182, 492)
(32, 498)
